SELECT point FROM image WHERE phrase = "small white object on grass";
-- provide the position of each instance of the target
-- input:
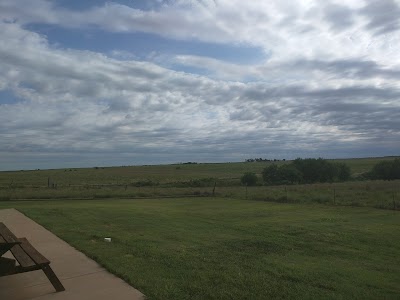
(107, 240)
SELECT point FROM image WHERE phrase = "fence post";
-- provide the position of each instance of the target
(334, 196)
(213, 192)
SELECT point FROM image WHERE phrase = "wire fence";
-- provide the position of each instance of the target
(378, 194)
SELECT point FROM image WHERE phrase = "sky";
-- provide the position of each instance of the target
(110, 83)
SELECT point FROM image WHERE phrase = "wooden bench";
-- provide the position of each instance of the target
(28, 257)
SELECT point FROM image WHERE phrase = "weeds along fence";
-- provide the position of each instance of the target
(378, 194)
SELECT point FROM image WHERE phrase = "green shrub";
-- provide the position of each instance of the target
(249, 179)
(343, 171)
(271, 174)
(308, 170)
(386, 170)
(289, 174)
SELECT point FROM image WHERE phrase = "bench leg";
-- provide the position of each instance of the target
(7, 266)
(53, 278)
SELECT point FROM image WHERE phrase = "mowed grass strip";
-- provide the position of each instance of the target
(233, 249)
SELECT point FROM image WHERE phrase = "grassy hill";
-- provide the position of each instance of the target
(156, 173)
(193, 180)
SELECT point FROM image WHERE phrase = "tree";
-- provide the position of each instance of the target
(249, 179)
(308, 170)
(316, 170)
(343, 172)
(289, 174)
(270, 174)
(386, 170)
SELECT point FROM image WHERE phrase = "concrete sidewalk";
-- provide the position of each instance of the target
(82, 277)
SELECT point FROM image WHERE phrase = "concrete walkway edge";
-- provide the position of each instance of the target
(82, 277)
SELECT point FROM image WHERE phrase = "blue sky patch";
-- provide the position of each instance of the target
(87, 4)
(8, 97)
(141, 45)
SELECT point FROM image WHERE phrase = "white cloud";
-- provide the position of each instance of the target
(326, 84)
(286, 29)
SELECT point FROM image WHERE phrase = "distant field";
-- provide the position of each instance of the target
(212, 248)
(127, 175)
(158, 173)
(362, 165)
(194, 180)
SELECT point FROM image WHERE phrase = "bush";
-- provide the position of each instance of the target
(315, 170)
(343, 171)
(386, 170)
(289, 174)
(271, 174)
(308, 170)
(147, 182)
(202, 182)
(249, 179)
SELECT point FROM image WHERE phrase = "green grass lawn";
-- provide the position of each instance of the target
(208, 248)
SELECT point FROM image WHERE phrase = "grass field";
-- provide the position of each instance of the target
(210, 248)
(192, 231)
(189, 180)
(159, 174)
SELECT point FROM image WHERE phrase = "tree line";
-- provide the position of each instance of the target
(385, 170)
(260, 159)
(311, 170)
(308, 170)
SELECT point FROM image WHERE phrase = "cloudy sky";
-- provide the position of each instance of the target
(101, 83)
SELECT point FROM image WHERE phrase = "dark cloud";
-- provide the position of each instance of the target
(263, 93)
(367, 118)
(346, 68)
(339, 16)
(384, 15)
(353, 93)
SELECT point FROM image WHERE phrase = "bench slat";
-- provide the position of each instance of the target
(8, 236)
(23, 259)
(32, 252)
